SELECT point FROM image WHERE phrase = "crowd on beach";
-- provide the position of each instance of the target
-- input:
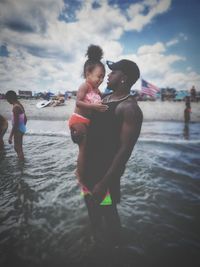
(164, 94)
(171, 94)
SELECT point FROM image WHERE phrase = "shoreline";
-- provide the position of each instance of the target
(152, 111)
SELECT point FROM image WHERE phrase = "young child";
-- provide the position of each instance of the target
(19, 121)
(88, 100)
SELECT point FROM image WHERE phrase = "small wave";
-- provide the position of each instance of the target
(161, 134)
(141, 139)
(52, 134)
(169, 141)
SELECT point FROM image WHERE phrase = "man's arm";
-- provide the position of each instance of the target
(129, 133)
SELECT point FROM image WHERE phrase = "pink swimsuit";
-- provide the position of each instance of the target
(92, 97)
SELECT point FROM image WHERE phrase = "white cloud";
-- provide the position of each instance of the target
(182, 81)
(183, 36)
(135, 9)
(152, 49)
(172, 42)
(138, 20)
(46, 53)
(29, 15)
(157, 67)
(35, 54)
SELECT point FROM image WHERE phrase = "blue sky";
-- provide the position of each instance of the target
(43, 43)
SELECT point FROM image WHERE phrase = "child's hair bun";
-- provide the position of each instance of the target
(94, 53)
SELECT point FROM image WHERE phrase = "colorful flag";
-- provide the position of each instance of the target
(149, 89)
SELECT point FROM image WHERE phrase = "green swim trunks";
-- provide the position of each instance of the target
(106, 201)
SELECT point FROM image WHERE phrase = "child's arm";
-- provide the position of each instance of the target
(82, 91)
(16, 111)
(25, 119)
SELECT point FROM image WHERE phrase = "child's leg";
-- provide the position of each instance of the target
(81, 159)
(79, 135)
(18, 142)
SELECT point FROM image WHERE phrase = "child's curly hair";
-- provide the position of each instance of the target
(94, 54)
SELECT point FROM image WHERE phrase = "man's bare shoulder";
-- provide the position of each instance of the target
(130, 106)
(83, 87)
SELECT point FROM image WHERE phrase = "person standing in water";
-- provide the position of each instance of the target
(3, 129)
(88, 100)
(19, 121)
(112, 136)
(187, 110)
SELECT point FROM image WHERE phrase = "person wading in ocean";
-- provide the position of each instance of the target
(19, 121)
(112, 136)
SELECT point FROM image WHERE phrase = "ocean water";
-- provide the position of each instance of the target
(44, 221)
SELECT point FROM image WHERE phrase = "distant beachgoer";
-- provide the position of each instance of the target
(88, 100)
(19, 121)
(193, 93)
(58, 101)
(3, 129)
(66, 95)
(187, 110)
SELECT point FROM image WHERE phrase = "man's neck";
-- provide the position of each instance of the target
(113, 97)
(118, 94)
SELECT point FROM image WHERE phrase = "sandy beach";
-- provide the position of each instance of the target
(152, 111)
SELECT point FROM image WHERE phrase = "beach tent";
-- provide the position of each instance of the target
(181, 95)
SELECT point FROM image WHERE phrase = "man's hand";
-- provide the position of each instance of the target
(99, 192)
(100, 107)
